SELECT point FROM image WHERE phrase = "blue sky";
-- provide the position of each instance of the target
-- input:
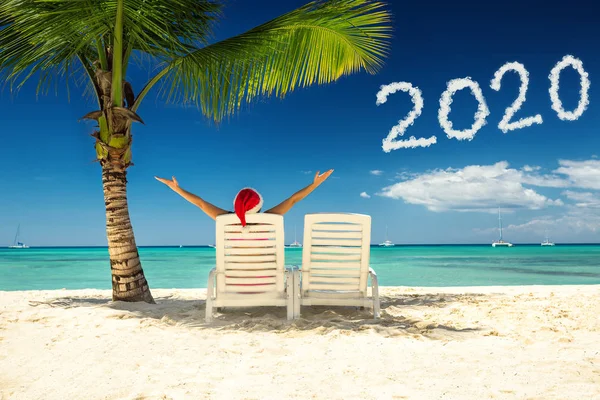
(545, 176)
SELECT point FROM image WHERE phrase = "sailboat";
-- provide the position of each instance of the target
(501, 243)
(386, 242)
(547, 242)
(16, 244)
(296, 244)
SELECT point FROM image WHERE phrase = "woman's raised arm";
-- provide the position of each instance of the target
(287, 204)
(210, 209)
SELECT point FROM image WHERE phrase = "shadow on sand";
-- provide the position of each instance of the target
(173, 311)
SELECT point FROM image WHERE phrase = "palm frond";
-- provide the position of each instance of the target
(44, 37)
(166, 28)
(315, 44)
(48, 36)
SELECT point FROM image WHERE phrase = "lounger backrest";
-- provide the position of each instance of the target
(336, 252)
(250, 259)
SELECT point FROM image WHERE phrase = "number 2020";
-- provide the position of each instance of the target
(389, 143)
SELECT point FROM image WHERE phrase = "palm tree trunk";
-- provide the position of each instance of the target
(128, 280)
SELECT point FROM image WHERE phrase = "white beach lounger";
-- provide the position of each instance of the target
(250, 269)
(335, 263)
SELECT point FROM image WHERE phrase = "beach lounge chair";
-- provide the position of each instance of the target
(250, 268)
(335, 263)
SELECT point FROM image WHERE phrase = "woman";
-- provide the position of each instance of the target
(248, 200)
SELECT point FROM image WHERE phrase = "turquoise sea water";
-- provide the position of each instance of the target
(170, 267)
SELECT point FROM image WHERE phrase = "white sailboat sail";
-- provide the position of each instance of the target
(547, 242)
(296, 244)
(16, 243)
(386, 242)
(500, 242)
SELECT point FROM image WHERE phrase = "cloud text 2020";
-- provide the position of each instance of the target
(389, 143)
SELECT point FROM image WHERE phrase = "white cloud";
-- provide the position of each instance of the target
(473, 188)
(545, 180)
(574, 174)
(583, 199)
(582, 174)
(376, 172)
(504, 125)
(537, 225)
(405, 175)
(364, 195)
(571, 223)
(584, 99)
(485, 187)
(575, 224)
(412, 143)
(529, 168)
(306, 172)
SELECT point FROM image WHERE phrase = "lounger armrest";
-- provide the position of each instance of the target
(290, 289)
(297, 278)
(295, 269)
(210, 285)
(375, 288)
(290, 274)
(210, 289)
(373, 276)
(291, 271)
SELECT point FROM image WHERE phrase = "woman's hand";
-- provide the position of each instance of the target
(321, 178)
(285, 205)
(173, 184)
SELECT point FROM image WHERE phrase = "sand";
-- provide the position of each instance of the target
(529, 342)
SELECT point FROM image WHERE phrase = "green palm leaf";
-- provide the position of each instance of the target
(317, 43)
(50, 36)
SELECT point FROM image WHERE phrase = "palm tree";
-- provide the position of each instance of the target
(97, 39)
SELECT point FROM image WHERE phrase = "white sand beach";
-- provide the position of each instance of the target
(529, 342)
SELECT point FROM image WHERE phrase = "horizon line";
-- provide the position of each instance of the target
(372, 245)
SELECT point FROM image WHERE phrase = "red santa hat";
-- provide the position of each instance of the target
(247, 201)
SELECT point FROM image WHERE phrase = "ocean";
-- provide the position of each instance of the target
(188, 267)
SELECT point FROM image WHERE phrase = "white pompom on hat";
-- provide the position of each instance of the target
(247, 201)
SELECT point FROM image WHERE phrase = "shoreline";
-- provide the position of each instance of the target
(475, 342)
(395, 287)
(409, 289)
